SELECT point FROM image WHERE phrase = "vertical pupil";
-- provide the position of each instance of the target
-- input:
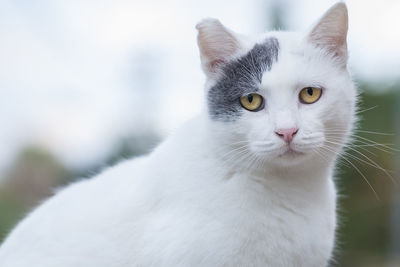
(250, 98)
(310, 91)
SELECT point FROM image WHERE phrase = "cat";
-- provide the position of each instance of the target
(248, 182)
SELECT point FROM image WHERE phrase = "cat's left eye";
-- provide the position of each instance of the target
(252, 102)
(309, 95)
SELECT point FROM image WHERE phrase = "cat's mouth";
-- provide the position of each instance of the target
(290, 152)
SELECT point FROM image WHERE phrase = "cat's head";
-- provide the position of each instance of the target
(282, 97)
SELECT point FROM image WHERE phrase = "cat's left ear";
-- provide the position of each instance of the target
(217, 45)
(330, 32)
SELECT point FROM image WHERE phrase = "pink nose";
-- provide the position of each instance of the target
(287, 134)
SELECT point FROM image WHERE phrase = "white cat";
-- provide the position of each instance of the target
(247, 183)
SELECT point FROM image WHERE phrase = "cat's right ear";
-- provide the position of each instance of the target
(217, 45)
(330, 32)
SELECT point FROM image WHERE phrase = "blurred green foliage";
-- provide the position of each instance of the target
(364, 236)
(32, 178)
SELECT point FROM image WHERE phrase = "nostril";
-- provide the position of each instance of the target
(287, 134)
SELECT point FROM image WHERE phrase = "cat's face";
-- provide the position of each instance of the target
(284, 97)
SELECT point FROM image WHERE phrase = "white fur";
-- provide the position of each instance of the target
(214, 193)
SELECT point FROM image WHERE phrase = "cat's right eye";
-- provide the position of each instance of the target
(252, 102)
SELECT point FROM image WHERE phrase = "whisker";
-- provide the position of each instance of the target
(364, 110)
(358, 170)
(366, 141)
(350, 145)
(237, 153)
(372, 142)
(377, 133)
(319, 153)
(370, 163)
(359, 131)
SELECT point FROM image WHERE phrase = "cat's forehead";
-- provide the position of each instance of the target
(299, 64)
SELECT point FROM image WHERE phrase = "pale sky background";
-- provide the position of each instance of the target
(76, 75)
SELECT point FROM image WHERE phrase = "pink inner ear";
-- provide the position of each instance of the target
(331, 31)
(217, 44)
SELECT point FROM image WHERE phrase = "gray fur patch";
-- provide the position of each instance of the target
(240, 77)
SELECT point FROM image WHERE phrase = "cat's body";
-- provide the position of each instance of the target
(212, 217)
(203, 198)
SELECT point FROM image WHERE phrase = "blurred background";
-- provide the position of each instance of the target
(84, 84)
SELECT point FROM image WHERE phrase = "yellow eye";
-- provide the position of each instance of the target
(309, 95)
(252, 102)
